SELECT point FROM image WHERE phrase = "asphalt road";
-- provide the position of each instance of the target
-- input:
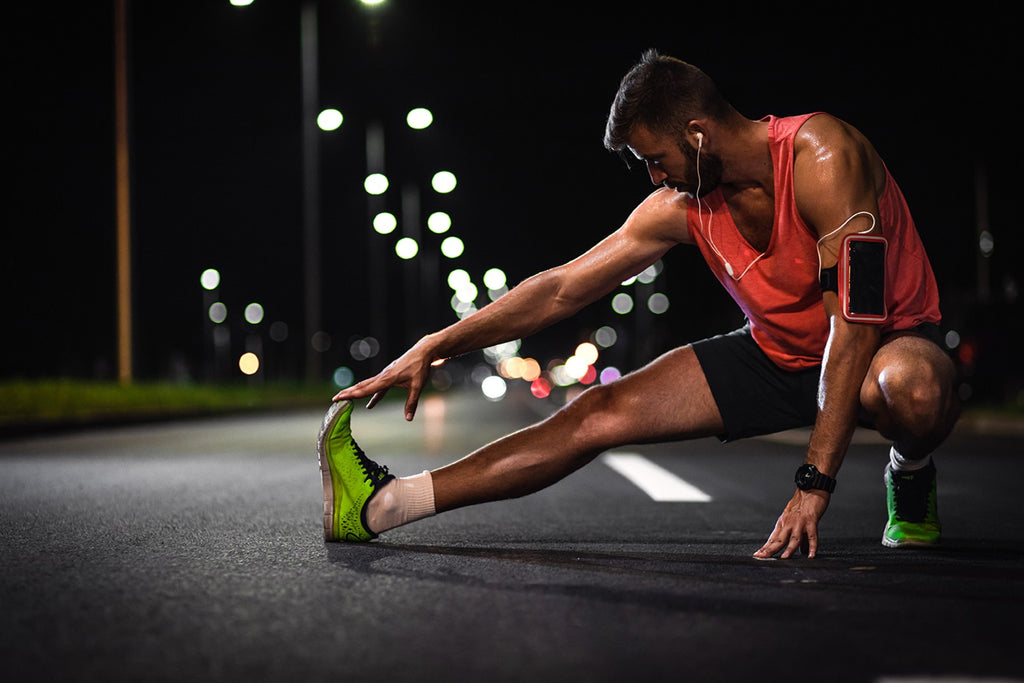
(193, 551)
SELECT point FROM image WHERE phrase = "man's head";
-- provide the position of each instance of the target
(657, 115)
(662, 94)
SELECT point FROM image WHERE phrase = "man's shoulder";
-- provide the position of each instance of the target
(665, 202)
(822, 129)
(663, 214)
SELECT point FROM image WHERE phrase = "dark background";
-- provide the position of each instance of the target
(519, 94)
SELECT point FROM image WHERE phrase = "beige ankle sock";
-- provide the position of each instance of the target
(401, 501)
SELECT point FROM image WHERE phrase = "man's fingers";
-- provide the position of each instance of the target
(769, 548)
(412, 401)
(375, 399)
(792, 546)
(364, 388)
(809, 546)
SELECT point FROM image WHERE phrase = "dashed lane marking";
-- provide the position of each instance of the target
(657, 482)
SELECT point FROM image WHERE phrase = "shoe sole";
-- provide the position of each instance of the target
(889, 543)
(330, 419)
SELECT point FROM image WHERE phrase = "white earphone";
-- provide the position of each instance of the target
(707, 233)
(711, 242)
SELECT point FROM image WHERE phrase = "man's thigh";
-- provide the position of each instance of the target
(667, 399)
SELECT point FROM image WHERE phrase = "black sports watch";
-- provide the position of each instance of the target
(808, 477)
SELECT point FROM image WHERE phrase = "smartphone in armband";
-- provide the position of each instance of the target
(862, 278)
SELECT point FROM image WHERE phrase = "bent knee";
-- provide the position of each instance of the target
(913, 393)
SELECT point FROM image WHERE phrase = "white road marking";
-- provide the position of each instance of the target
(657, 482)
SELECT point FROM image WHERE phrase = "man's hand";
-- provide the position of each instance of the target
(410, 371)
(797, 526)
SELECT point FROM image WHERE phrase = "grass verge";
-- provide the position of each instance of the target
(32, 404)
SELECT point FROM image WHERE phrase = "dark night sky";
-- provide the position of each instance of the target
(519, 100)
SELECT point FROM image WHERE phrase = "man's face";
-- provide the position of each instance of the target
(676, 163)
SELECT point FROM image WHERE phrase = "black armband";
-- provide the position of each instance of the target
(830, 279)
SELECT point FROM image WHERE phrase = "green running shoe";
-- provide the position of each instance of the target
(350, 479)
(913, 508)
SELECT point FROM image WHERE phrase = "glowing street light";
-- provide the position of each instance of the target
(385, 223)
(218, 312)
(210, 279)
(622, 303)
(329, 119)
(494, 278)
(439, 222)
(376, 183)
(419, 118)
(249, 363)
(253, 313)
(406, 248)
(458, 278)
(452, 247)
(443, 182)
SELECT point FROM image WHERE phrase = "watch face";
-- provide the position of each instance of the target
(808, 477)
(805, 476)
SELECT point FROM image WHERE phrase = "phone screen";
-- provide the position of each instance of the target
(865, 287)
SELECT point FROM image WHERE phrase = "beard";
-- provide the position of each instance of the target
(705, 173)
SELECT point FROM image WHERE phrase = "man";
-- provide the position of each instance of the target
(774, 205)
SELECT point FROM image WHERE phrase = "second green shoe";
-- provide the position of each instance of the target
(913, 508)
(350, 479)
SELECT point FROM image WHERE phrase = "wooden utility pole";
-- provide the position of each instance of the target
(123, 205)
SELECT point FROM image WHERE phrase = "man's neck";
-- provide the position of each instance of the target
(746, 158)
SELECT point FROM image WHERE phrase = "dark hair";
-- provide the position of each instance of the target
(662, 94)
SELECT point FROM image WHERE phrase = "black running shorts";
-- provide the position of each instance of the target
(755, 396)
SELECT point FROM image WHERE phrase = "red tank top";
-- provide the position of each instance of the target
(780, 293)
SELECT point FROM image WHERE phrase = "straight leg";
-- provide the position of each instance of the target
(668, 399)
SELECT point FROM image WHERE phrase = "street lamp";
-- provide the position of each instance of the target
(310, 184)
(314, 342)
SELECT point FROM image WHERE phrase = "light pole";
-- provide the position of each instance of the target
(308, 26)
(122, 200)
(310, 186)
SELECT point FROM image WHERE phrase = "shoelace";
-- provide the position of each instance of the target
(911, 494)
(375, 473)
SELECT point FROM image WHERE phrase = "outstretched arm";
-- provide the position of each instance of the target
(837, 175)
(539, 301)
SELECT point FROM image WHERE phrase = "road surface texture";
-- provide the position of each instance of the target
(193, 551)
